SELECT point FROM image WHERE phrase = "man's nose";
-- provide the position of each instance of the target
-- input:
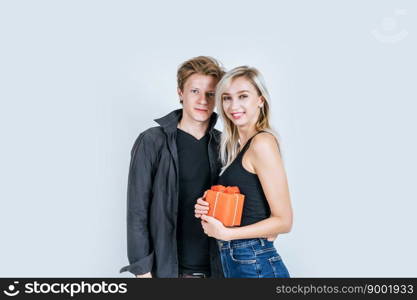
(203, 98)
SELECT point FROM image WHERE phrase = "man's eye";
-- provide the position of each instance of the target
(194, 91)
(210, 94)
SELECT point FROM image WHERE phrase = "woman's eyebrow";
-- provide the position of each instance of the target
(242, 91)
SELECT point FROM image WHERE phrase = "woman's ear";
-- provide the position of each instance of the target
(261, 101)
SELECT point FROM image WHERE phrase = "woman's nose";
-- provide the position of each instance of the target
(234, 104)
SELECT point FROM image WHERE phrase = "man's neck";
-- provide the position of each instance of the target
(195, 128)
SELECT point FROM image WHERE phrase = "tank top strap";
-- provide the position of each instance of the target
(248, 143)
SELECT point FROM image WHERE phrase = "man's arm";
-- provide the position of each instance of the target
(139, 194)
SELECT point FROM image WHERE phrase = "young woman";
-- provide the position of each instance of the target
(251, 160)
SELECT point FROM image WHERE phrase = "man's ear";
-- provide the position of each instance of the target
(180, 94)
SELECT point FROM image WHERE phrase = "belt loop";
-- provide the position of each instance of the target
(224, 244)
(262, 242)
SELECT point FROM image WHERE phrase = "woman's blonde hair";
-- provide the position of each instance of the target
(229, 145)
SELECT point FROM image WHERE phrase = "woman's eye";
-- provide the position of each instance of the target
(226, 98)
(243, 96)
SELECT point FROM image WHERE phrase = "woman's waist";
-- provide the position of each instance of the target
(251, 215)
(242, 243)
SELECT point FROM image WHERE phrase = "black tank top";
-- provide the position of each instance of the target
(255, 206)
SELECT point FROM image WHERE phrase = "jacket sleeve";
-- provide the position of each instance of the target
(139, 194)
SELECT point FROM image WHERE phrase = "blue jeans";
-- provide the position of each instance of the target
(251, 258)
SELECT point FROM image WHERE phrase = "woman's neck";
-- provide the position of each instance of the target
(245, 133)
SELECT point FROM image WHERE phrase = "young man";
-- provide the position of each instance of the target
(171, 166)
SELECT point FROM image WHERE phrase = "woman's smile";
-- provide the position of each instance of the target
(237, 115)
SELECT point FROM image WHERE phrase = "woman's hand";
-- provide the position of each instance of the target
(214, 228)
(271, 238)
(201, 208)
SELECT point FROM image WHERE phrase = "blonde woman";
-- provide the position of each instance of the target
(251, 160)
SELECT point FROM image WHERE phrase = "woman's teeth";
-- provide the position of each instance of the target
(237, 115)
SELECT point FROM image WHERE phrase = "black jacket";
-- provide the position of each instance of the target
(152, 199)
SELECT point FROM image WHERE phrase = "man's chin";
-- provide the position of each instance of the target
(202, 117)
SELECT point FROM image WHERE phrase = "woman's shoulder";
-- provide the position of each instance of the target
(264, 139)
(264, 143)
(263, 150)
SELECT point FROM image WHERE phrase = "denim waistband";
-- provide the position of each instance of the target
(242, 243)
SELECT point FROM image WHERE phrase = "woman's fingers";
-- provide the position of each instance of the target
(201, 208)
(202, 202)
(201, 212)
(272, 238)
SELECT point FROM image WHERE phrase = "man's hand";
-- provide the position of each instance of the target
(146, 275)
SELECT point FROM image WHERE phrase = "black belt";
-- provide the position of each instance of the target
(193, 275)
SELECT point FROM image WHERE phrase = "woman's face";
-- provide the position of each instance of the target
(241, 102)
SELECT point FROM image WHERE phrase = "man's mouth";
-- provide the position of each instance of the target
(201, 109)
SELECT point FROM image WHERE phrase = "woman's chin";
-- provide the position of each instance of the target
(237, 121)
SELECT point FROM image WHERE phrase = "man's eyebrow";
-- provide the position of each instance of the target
(196, 88)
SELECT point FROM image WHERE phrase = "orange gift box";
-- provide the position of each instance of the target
(225, 204)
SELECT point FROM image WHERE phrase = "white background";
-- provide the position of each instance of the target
(79, 80)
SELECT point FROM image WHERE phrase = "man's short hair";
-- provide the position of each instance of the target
(204, 65)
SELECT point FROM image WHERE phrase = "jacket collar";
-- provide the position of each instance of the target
(170, 121)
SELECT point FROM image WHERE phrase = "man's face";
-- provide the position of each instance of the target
(198, 97)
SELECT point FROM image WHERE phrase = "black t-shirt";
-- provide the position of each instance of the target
(255, 207)
(194, 179)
